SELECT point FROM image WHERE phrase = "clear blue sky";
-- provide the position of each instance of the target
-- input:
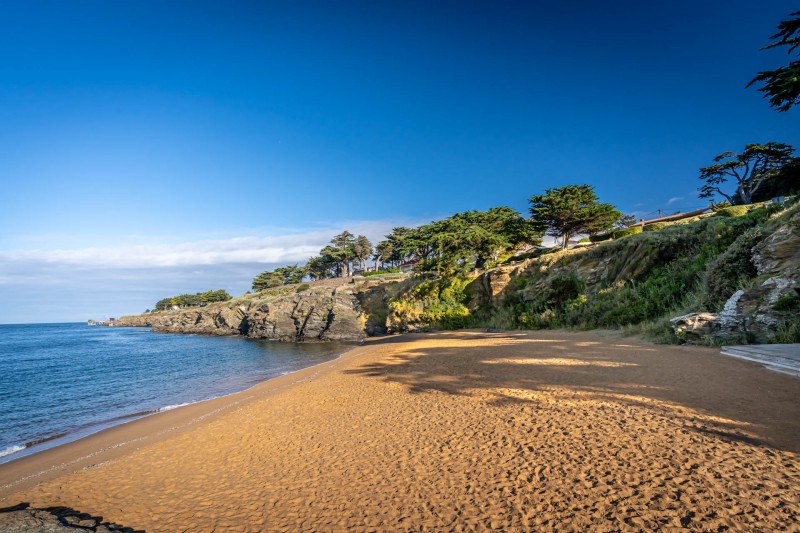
(151, 148)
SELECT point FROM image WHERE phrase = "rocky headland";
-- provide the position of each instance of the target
(329, 310)
(713, 279)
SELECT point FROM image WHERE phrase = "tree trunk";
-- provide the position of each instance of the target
(744, 195)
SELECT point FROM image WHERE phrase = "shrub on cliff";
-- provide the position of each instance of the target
(600, 238)
(620, 233)
(382, 271)
(733, 211)
(434, 303)
(655, 226)
(731, 270)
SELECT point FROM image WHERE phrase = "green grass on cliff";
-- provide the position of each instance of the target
(646, 279)
(439, 303)
(679, 269)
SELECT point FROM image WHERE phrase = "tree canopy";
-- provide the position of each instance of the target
(464, 240)
(571, 210)
(749, 169)
(279, 276)
(322, 266)
(192, 300)
(362, 250)
(342, 251)
(785, 181)
(782, 85)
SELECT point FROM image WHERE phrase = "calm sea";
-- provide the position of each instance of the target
(59, 382)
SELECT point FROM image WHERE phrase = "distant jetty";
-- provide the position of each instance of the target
(109, 322)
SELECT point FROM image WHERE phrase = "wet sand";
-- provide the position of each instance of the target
(458, 431)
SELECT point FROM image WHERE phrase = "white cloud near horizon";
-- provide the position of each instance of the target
(71, 284)
(297, 247)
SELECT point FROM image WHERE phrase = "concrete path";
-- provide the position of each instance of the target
(779, 357)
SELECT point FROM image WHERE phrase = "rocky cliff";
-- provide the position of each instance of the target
(332, 310)
(762, 305)
(718, 279)
(711, 279)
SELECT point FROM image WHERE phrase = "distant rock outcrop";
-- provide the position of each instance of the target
(326, 311)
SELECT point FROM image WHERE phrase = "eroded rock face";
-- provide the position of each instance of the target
(780, 251)
(749, 314)
(325, 315)
(324, 312)
(212, 320)
(491, 286)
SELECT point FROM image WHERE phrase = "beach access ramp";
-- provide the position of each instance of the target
(779, 357)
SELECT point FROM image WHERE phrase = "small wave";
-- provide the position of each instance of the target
(10, 450)
(171, 407)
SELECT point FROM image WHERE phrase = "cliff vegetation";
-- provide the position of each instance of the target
(727, 277)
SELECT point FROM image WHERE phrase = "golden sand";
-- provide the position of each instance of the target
(454, 431)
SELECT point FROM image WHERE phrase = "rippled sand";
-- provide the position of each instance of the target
(464, 431)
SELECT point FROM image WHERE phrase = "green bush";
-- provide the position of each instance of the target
(600, 238)
(733, 211)
(303, 287)
(520, 257)
(787, 303)
(624, 232)
(788, 331)
(561, 289)
(440, 303)
(655, 226)
(731, 270)
(379, 272)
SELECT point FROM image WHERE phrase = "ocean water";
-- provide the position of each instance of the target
(59, 382)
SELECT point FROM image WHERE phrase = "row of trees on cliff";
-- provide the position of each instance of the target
(467, 240)
(343, 255)
(192, 300)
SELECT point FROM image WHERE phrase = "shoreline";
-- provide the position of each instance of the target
(62, 436)
(109, 441)
(453, 430)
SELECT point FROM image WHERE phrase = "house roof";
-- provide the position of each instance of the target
(676, 216)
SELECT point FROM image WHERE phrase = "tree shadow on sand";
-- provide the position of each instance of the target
(695, 388)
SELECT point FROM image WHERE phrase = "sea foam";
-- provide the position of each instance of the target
(10, 450)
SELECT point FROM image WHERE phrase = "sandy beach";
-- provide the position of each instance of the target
(466, 430)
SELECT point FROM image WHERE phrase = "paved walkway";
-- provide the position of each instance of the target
(779, 357)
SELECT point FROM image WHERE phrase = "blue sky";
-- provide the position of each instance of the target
(153, 148)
